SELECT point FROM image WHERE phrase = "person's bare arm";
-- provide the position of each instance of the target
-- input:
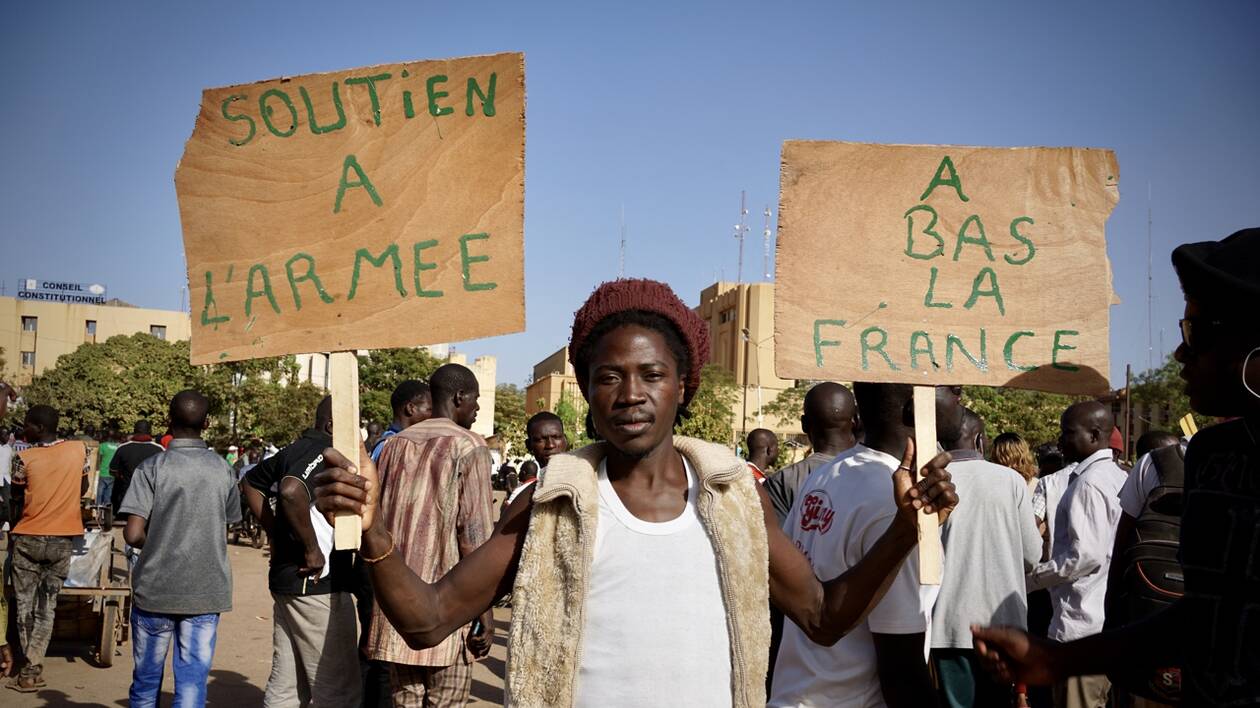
(134, 532)
(473, 527)
(424, 614)
(1013, 656)
(258, 505)
(295, 506)
(826, 611)
(903, 674)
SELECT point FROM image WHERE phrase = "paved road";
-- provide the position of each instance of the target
(242, 657)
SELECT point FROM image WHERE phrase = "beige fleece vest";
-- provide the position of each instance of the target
(549, 596)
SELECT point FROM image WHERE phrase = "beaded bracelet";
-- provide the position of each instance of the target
(383, 556)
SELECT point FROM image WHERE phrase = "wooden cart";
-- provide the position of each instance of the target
(99, 614)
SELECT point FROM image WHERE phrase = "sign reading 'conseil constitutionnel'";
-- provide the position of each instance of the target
(373, 207)
(933, 264)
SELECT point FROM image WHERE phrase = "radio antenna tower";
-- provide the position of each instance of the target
(765, 247)
(1150, 321)
(621, 264)
(741, 230)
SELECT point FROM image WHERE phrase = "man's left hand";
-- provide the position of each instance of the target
(933, 493)
(479, 644)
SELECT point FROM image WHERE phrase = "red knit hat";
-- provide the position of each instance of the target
(652, 296)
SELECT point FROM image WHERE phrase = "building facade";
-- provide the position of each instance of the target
(741, 330)
(34, 333)
(553, 381)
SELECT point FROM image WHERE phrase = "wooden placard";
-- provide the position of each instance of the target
(930, 553)
(932, 264)
(372, 207)
(343, 384)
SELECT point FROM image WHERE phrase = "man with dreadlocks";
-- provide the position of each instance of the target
(642, 566)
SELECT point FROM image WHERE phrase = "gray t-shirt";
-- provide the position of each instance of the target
(188, 495)
(783, 485)
(990, 543)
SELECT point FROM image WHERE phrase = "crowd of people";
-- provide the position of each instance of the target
(654, 569)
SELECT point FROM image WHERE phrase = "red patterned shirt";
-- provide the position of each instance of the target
(436, 501)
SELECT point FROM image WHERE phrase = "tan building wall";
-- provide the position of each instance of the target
(741, 329)
(545, 393)
(553, 379)
(34, 333)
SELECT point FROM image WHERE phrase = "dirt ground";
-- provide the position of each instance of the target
(242, 657)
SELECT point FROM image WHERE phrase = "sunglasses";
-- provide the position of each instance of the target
(1198, 333)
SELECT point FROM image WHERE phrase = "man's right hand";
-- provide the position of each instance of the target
(343, 488)
(313, 563)
(1014, 656)
(6, 659)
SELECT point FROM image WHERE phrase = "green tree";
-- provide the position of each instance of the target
(1164, 388)
(789, 403)
(711, 409)
(572, 413)
(259, 398)
(1032, 414)
(381, 370)
(509, 417)
(122, 379)
(128, 378)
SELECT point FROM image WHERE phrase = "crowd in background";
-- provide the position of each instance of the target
(651, 568)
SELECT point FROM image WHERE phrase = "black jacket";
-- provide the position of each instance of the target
(127, 458)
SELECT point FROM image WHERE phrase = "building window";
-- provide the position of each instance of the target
(28, 360)
(727, 315)
(30, 324)
(89, 329)
(158, 331)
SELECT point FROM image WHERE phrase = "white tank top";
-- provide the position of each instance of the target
(656, 632)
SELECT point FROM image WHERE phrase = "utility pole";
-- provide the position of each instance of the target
(1128, 407)
(741, 230)
(765, 247)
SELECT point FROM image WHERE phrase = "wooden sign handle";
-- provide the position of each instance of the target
(925, 449)
(343, 384)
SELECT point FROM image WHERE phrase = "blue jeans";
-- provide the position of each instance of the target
(104, 488)
(194, 651)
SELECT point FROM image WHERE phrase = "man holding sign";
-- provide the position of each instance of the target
(331, 207)
(641, 567)
(839, 514)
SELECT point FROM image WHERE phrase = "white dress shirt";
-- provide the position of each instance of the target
(1048, 494)
(1084, 534)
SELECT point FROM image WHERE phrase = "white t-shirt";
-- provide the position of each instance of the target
(839, 513)
(655, 632)
(520, 488)
(6, 463)
(1142, 480)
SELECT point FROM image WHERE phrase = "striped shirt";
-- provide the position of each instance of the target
(436, 501)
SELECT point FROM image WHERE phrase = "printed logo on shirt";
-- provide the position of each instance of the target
(816, 512)
(319, 460)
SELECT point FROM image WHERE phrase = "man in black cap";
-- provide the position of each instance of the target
(1209, 637)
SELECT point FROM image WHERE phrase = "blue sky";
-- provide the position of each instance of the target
(668, 108)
